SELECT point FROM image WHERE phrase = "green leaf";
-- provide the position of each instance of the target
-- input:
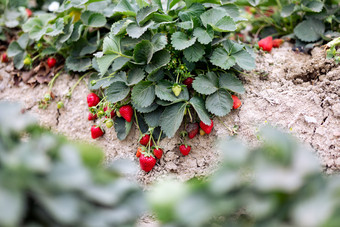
(199, 106)
(106, 81)
(287, 10)
(180, 41)
(221, 58)
(122, 128)
(233, 11)
(206, 84)
(195, 10)
(220, 103)
(244, 60)
(56, 28)
(159, 41)
(172, 118)
(117, 91)
(158, 3)
(14, 48)
(194, 53)
(171, 3)
(111, 45)
(135, 76)
(120, 26)
(67, 32)
(105, 62)
(309, 30)
(190, 2)
(156, 76)
(19, 60)
(119, 63)
(78, 64)
(143, 52)
(124, 7)
(254, 2)
(23, 41)
(312, 6)
(135, 31)
(49, 51)
(11, 205)
(163, 91)
(143, 93)
(144, 14)
(78, 28)
(148, 109)
(186, 25)
(204, 36)
(231, 82)
(159, 60)
(218, 19)
(153, 118)
(93, 19)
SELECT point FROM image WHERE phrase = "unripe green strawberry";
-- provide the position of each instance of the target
(60, 105)
(109, 123)
(100, 113)
(47, 97)
(27, 61)
(176, 89)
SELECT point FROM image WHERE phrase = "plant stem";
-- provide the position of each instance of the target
(50, 84)
(75, 85)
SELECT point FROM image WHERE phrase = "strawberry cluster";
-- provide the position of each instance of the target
(268, 43)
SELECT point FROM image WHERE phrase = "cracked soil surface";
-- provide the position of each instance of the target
(296, 92)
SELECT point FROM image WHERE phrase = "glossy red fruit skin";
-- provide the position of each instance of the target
(147, 163)
(4, 58)
(188, 81)
(277, 42)
(158, 153)
(96, 132)
(113, 113)
(51, 62)
(126, 112)
(145, 140)
(192, 129)
(266, 44)
(92, 99)
(236, 102)
(185, 150)
(28, 12)
(92, 117)
(207, 128)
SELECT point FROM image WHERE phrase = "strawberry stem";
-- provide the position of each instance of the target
(75, 85)
(50, 84)
(137, 122)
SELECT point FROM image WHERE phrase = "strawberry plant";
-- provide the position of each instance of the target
(171, 64)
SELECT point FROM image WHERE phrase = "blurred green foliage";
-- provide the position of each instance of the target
(277, 184)
(46, 180)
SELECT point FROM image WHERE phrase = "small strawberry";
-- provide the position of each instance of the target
(188, 81)
(145, 140)
(51, 62)
(237, 102)
(96, 132)
(192, 129)
(109, 123)
(28, 12)
(185, 149)
(112, 114)
(4, 57)
(202, 133)
(139, 151)
(176, 89)
(266, 44)
(207, 128)
(147, 162)
(126, 112)
(92, 99)
(277, 43)
(60, 105)
(92, 117)
(158, 152)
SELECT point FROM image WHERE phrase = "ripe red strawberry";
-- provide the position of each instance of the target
(277, 42)
(158, 152)
(145, 140)
(113, 113)
(237, 102)
(4, 57)
(126, 112)
(266, 44)
(92, 99)
(139, 152)
(192, 129)
(147, 162)
(51, 62)
(28, 12)
(207, 128)
(184, 149)
(96, 132)
(92, 117)
(188, 81)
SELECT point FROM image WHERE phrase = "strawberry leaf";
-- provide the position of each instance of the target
(204, 36)
(172, 118)
(309, 30)
(147, 109)
(122, 128)
(117, 91)
(135, 76)
(199, 106)
(159, 42)
(230, 82)
(194, 53)
(180, 41)
(218, 20)
(206, 84)
(143, 93)
(143, 52)
(144, 14)
(135, 31)
(159, 60)
(153, 118)
(220, 103)
(221, 58)
(78, 64)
